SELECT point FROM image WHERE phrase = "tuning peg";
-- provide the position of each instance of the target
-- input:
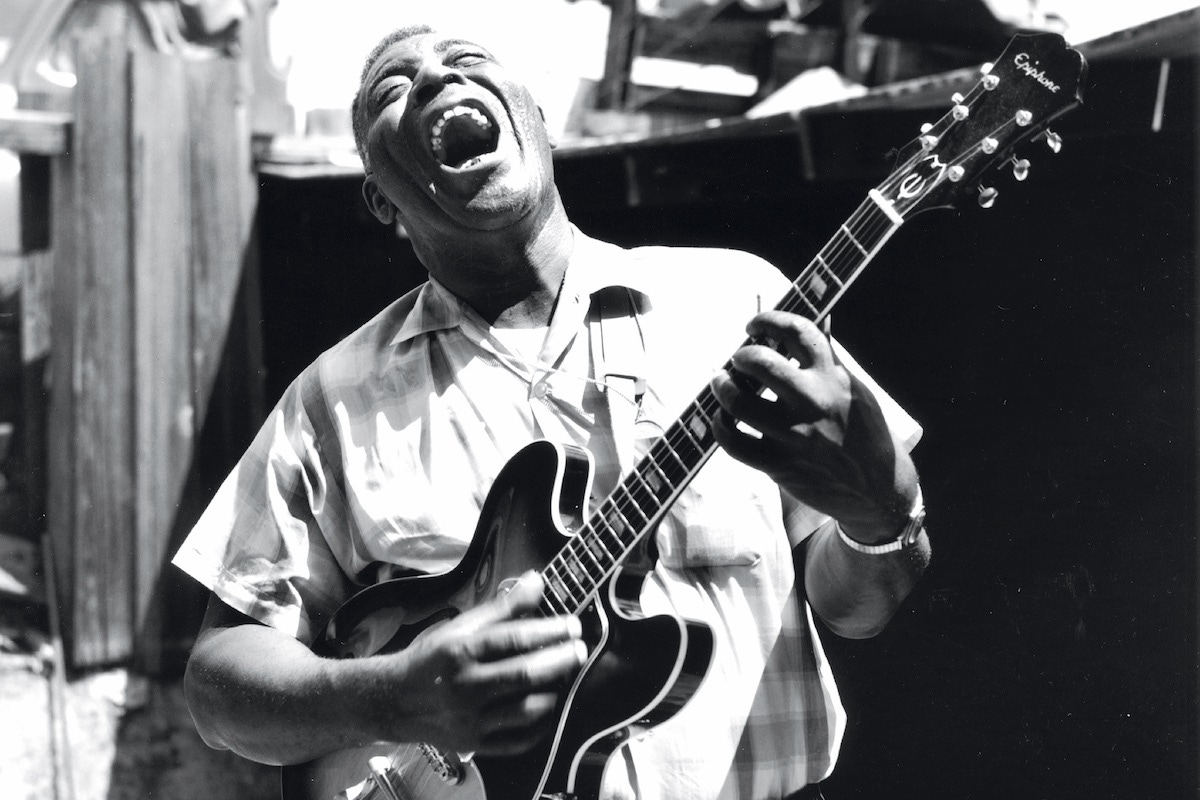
(987, 196)
(929, 141)
(990, 82)
(1053, 140)
(1020, 168)
(955, 173)
(989, 145)
(1023, 118)
(960, 112)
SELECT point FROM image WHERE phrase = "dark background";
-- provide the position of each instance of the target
(1047, 345)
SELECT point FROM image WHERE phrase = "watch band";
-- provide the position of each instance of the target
(908, 534)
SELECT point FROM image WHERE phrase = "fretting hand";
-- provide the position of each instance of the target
(823, 436)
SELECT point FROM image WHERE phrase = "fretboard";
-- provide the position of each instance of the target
(644, 495)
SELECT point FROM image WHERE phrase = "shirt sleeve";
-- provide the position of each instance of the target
(259, 545)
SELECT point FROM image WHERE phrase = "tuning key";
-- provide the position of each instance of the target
(987, 196)
(989, 145)
(1053, 140)
(1023, 118)
(1020, 168)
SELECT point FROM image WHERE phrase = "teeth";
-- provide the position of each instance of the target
(435, 134)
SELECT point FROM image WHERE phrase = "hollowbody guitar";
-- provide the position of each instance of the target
(642, 669)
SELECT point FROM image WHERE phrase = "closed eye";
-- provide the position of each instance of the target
(390, 89)
(466, 58)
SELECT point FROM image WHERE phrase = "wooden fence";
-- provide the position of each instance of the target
(151, 204)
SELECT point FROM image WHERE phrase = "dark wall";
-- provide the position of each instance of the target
(1048, 347)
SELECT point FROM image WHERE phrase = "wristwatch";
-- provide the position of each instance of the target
(908, 534)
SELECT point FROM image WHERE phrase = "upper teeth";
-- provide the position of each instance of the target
(435, 133)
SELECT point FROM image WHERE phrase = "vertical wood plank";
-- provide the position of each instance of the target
(162, 254)
(60, 412)
(222, 208)
(622, 32)
(102, 342)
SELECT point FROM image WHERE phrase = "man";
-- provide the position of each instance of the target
(378, 458)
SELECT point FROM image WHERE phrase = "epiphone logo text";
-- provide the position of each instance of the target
(1030, 68)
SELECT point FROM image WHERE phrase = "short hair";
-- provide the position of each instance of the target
(358, 121)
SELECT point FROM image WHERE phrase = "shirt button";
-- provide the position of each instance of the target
(541, 389)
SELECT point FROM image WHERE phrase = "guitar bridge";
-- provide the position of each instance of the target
(447, 767)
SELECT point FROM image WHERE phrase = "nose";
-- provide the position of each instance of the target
(431, 79)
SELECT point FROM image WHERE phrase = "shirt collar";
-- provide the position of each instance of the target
(594, 266)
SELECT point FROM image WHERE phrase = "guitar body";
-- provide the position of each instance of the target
(640, 670)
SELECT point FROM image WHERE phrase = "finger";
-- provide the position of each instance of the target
(521, 599)
(773, 416)
(537, 670)
(799, 337)
(759, 452)
(517, 637)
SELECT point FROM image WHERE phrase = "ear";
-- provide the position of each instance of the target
(550, 137)
(384, 210)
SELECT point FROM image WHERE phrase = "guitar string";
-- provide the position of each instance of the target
(591, 536)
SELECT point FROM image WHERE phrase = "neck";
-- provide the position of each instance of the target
(512, 277)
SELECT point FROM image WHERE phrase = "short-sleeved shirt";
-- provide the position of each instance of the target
(378, 458)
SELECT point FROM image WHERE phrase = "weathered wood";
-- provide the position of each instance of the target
(60, 379)
(45, 133)
(161, 214)
(37, 292)
(102, 338)
(222, 209)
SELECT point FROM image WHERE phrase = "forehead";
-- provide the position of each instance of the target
(411, 50)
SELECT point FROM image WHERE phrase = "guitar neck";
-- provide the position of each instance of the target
(645, 494)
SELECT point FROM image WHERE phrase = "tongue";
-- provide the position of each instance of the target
(463, 139)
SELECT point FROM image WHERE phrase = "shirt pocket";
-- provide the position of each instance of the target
(727, 517)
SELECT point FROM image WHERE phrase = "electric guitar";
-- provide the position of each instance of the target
(642, 669)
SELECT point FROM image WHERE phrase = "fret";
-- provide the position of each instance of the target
(547, 609)
(582, 579)
(617, 524)
(580, 549)
(600, 554)
(649, 480)
(685, 440)
(640, 493)
(850, 236)
(697, 426)
(633, 506)
(554, 583)
(665, 443)
(798, 292)
(821, 262)
(661, 478)
(570, 565)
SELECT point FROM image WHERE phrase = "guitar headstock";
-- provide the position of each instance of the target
(1035, 80)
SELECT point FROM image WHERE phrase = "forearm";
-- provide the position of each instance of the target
(856, 594)
(280, 705)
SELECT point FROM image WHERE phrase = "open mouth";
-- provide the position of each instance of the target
(462, 135)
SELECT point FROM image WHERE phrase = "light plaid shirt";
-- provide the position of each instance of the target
(377, 459)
